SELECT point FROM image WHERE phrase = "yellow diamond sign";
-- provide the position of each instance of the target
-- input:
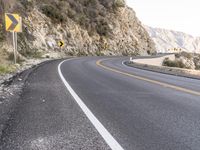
(13, 22)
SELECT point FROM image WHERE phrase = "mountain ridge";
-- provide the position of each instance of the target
(172, 41)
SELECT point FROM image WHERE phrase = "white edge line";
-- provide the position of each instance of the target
(109, 139)
(123, 63)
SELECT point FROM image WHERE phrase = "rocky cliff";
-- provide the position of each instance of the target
(87, 27)
(173, 41)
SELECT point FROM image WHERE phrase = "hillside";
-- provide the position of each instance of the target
(87, 27)
(167, 40)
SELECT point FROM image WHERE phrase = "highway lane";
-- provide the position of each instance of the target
(140, 115)
(171, 79)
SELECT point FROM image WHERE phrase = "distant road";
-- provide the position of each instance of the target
(91, 102)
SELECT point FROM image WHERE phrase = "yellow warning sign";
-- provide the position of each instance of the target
(13, 22)
(61, 43)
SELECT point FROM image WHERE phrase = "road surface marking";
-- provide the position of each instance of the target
(109, 139)
(99, 63)
(123, 63)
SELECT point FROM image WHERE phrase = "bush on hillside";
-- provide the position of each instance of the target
(187, 55)
(119, 3)
(19, 60)
(2, 34)
(27, 4)
(197, 62)
(102, 27)
(53, 13)
(89, 14)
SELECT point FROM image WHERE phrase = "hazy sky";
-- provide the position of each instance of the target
(180, 15)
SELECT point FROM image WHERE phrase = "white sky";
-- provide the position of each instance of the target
(179, 15)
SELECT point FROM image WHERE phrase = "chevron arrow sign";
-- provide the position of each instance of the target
(13, 22)
(61, 43)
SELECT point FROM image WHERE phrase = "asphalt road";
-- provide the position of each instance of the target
(142, 110)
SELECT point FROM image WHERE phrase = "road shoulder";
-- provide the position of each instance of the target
(165, 70)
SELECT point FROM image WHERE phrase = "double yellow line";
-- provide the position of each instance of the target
(99, 63)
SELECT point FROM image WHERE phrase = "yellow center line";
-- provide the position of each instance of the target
(99, 63)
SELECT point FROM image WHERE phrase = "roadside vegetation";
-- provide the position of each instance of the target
(184, 60)
(176, 63)
(6, 65)
(4, 69)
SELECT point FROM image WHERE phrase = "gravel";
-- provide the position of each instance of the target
(11, 87)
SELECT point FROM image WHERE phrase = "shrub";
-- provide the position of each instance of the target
(187, 55)
(82, 53)
(197, 63)
(18, 59)
(125, 53)
(6, 69)
(71, 14)
(82, 20)
(89, 2)
(102, 27)
(197, 67)
(53, 13)
(107, 3)
(29, 53)
(119, 3)
(2, 34)
(37, 54)
(27, 4)
(99, 53)
(70, 53)
(176, 63)
(177, 55)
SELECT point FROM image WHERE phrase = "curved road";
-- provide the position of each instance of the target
(141, 110)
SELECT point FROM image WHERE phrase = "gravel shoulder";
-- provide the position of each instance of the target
(11, 88)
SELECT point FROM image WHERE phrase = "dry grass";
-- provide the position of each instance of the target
(6, 66)
(4, 69)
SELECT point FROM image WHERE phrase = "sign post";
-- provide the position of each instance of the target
(14, 48)
(16, 52)
(13, 24)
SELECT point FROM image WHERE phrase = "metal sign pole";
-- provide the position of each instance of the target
(16, 52)
(14, 47)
